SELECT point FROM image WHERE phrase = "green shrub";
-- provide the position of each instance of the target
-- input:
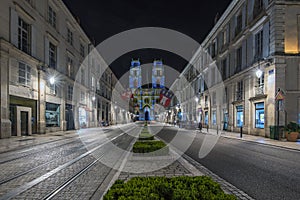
(146, 136)
(201, 187)
(148, 146)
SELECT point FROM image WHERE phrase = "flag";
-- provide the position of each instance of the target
(126, 95)
(165, 97)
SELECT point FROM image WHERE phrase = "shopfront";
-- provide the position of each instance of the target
(239, 116)
(52, 115)
(260, 115)
(83, 117)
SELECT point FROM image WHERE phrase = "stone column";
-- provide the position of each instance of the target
(5, 128)
(41, 108)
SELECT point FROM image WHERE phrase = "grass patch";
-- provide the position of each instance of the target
(148, 146)
(176, 188)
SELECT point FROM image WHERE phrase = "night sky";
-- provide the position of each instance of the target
(103, 19)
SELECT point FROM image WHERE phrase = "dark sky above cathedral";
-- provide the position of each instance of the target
(103, 19)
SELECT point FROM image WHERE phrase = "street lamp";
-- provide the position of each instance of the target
(52, 80)
(259, 73)
(196, 99)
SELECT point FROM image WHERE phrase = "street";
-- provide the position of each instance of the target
(263, 172)
(66, 168)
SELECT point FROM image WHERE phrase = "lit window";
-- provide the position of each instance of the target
(70, 67)
(260, 115)
(239, 116)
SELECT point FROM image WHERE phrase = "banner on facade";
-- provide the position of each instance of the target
(165, 97)
(127, 95)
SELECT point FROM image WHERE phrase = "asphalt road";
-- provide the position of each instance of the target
(263, 172)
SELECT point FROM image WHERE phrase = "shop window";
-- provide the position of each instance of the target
(206, 118)
(52, 115)
(260, 115)
(239, 116)
(214, 117)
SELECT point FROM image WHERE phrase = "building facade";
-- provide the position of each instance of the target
(48, 81)
(146, 96)
(250, 55)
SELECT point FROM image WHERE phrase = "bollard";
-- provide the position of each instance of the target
(217, 130)
(241, 132)
(207, 128)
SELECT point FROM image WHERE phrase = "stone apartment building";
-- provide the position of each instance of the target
(250, 54)
(48, 81)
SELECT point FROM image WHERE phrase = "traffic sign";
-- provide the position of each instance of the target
(279, 96)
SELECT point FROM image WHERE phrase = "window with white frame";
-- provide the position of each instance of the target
(53, 89)
(24, 36)
(52, 17)
(24, 73)
(52, 55)
(70, 37)
(70, 92)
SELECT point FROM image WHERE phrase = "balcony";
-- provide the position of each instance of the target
(259, 90)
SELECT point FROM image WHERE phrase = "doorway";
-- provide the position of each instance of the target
(24, 121)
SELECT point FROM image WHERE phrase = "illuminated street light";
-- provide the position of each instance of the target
(259, 73)
(52, 80)
(93, 98)
(196, 99)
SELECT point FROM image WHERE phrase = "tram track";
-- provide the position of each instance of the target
(31, 184)
(69, 152)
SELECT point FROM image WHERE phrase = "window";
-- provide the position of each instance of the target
(224, 69)
(258, 7)
(93, 83)
(239, 116)
(225, 95)
(52, 17)
(70, 67)
(82, 97)
(24, 74)
(70, 92)
(239, 24)
(82, 50)
(206, 118)
(214, 99)
(260, 85)
(24, 36)
(52, 115)
(82, 77)
(206, 101)
(260, 115)
(239, 91)
(52, 55)
(258, 45)
(53, 89)
(224, 37)
(239, 55)
(70, 37)
(214, 117)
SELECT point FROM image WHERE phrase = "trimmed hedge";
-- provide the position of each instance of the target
(157, 188)
(148, 146)
(146, 136)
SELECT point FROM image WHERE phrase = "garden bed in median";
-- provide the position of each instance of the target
(146, 144)
(201, 187)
